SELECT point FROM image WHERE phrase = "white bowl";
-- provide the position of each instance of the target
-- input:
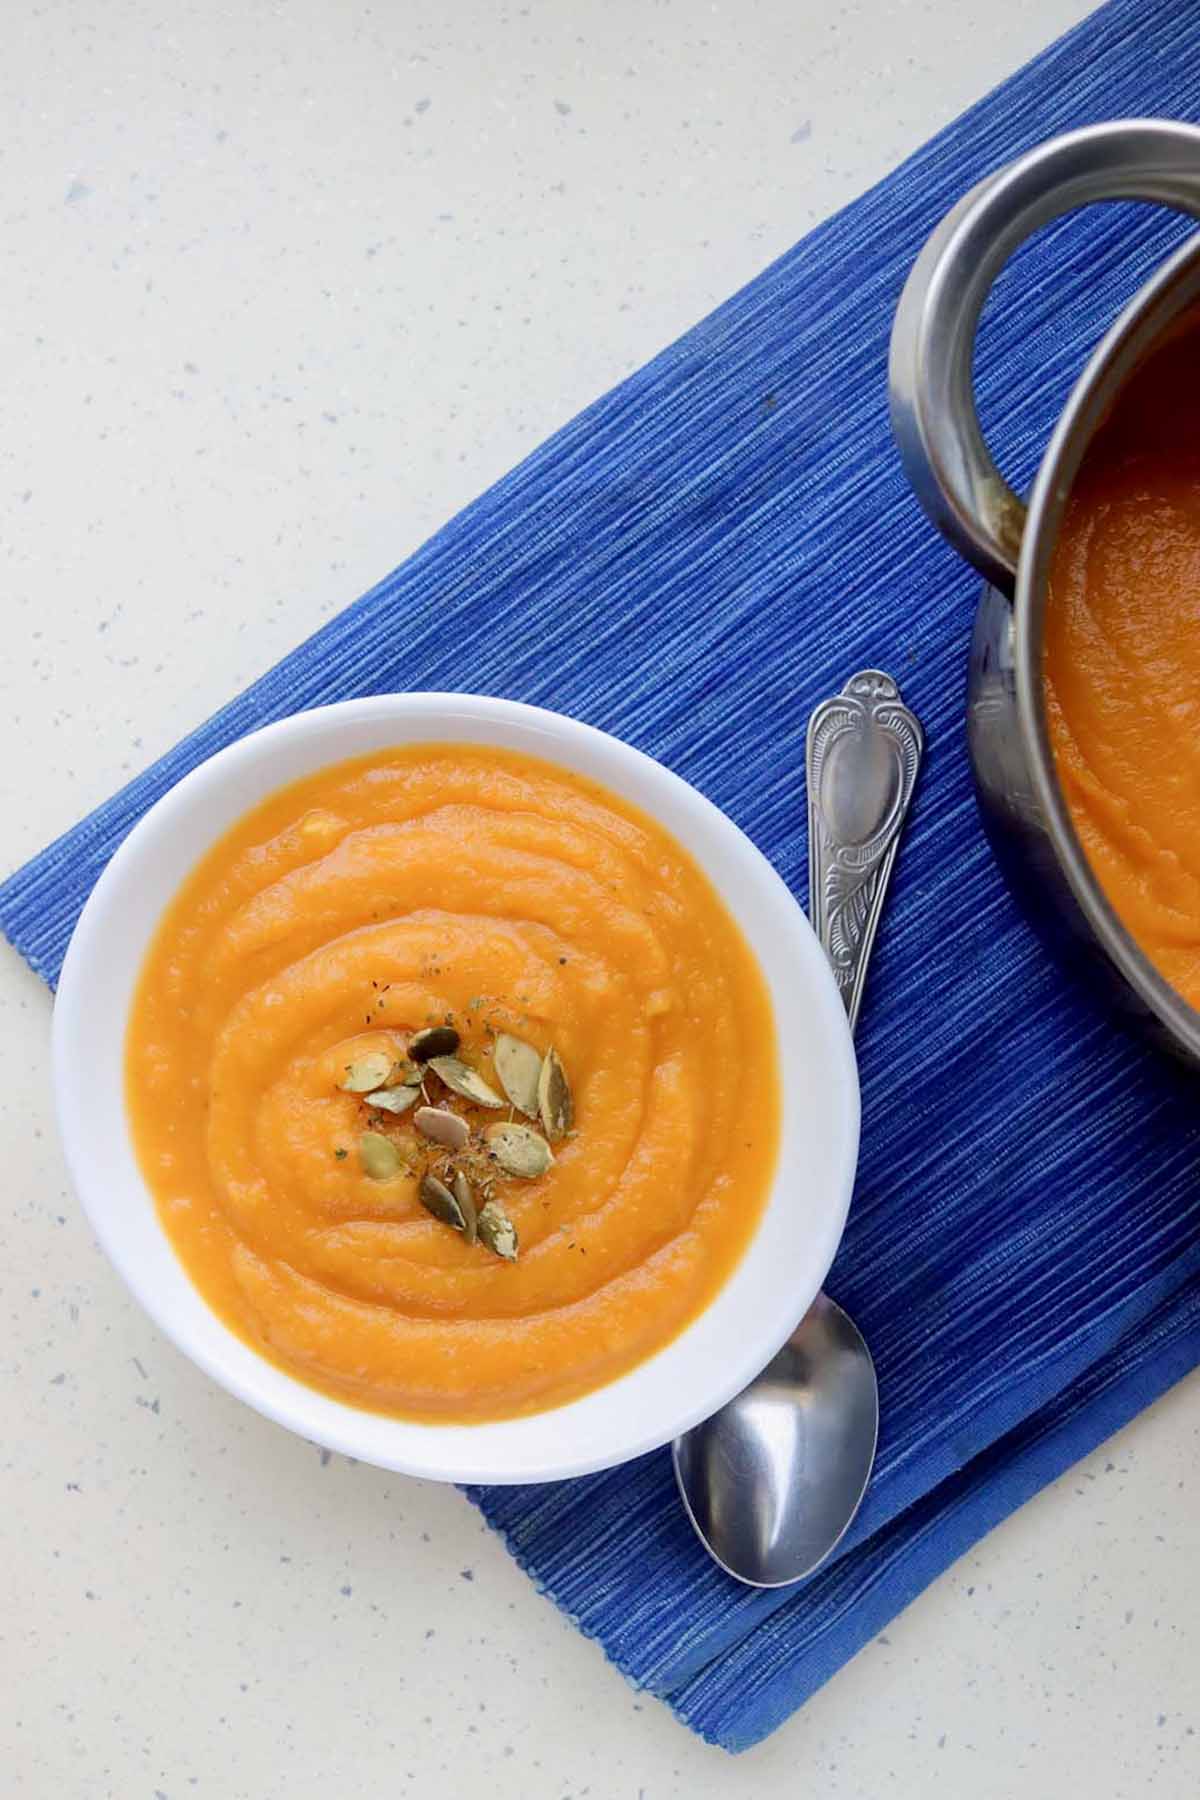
(767, 1293)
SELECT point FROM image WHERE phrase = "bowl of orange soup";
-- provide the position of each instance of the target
(1082, 714)
(457, 1086)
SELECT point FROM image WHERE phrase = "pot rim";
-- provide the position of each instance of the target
(1140, 325)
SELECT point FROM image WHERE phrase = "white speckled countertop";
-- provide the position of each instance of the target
(284, 285)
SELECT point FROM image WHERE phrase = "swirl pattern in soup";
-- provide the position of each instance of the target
(426, 884)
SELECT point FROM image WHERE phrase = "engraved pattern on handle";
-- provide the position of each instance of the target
(864, 751)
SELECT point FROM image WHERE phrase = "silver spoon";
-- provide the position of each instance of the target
(772, 1481)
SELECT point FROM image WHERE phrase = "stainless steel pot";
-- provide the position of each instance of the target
(942, 448)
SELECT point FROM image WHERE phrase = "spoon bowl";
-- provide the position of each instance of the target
(773, 1480)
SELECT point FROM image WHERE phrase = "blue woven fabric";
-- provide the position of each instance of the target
(692, 563)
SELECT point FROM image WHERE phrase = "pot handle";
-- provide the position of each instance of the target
(934, 419)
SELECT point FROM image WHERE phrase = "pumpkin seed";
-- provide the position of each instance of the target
(519, 1150)
(392, 1100)
(366, 1072)
(554, 1098)
(404, 1074)
(466, 1202)
(437, 1199)
(462, 1079)
(379, 1156)
(518, 1067)
(435, 1040)
(442, 1126)
(498, 1231)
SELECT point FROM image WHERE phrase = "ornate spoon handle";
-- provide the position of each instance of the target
(864, 751)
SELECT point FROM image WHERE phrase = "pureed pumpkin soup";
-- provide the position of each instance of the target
(1122, 656)
(454, 1081)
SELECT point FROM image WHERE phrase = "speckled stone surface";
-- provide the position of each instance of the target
(283, 286)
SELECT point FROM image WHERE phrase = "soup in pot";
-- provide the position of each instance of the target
(1122, 657)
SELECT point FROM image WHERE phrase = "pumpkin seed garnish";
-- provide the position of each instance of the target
(435, 1040)
(379, 1156)
(462, 1079)
(366, 1072)
(498, 1231)
(404, 1074)
(442, 1126)
(518, 1066)
(392, 1100)
(555, 1105)
(466, 1201)
(519, 1150)
(437, 1199)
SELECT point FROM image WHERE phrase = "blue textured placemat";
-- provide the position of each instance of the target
(692, 563)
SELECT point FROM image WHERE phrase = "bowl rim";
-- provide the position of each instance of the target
(230, 1360)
